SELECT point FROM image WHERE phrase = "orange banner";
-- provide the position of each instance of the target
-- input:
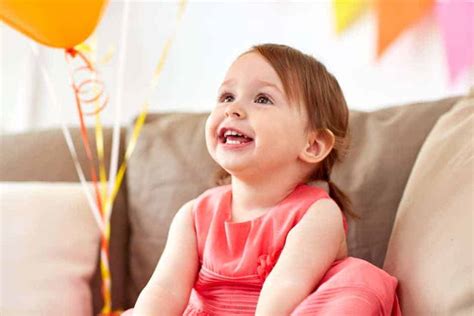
(395, 16)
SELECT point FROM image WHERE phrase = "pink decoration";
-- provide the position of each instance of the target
(265, 264)
(456, 20)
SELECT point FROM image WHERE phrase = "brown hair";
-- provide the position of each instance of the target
(307, 83)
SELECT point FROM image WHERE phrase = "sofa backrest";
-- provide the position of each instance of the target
(171, 165)
(385, 144)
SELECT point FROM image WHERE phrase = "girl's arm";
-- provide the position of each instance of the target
(168, 290)
(310, 249)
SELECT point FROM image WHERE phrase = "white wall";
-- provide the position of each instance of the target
(211, 35)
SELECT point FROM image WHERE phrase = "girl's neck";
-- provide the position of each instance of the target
(259, 196)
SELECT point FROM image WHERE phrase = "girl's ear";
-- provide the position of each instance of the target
(319, 145)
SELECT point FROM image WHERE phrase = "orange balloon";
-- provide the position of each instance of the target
(55, 23)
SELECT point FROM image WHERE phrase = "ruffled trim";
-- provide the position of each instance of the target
(265, 264)
(193, 311)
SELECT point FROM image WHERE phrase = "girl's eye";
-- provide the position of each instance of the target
(226, 98)
(263, 100)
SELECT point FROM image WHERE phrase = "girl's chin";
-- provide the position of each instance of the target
(233, 168)
(243, 171)
(238, 159)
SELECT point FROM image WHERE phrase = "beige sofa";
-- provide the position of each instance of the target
(409, 173)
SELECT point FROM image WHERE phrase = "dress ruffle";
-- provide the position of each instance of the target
(191, 311)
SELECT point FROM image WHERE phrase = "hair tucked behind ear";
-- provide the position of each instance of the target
(312, 88)
(342, 200)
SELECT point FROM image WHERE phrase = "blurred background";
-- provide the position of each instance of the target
(210, 35)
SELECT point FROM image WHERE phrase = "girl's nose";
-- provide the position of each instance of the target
(234, 110)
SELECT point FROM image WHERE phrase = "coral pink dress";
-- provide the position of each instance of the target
(236, 257)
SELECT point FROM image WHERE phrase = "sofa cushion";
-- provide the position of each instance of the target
(171, 165)
(43, 156)
(49, 247)
(431, 248)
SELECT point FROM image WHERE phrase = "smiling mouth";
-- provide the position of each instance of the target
(234, 138)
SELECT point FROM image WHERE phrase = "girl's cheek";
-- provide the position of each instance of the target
(210, 129)
(213, 120)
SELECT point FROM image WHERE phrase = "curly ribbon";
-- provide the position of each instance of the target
(99, 134)
(79, 89)
(82, 77)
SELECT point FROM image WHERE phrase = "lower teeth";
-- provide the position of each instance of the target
(234, 142)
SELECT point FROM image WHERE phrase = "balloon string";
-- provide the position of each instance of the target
(118, 97)
(99, 135)
(141, 119)
(85, 138)
(69, 143)
(105, 236)
(118, 178)
(121, 172)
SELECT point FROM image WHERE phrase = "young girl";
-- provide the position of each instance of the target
(269, 243)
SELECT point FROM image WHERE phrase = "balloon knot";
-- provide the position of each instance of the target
(71, 51)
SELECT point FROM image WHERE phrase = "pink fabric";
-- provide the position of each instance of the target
(236, 258)
(352, 286)
(232, 249)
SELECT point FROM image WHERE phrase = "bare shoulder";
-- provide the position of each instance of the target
(185, 211)
(326, 207)
(323, 212)
(181, 240)
(323, 218)
(183, 219)
(181, 243)
(180, 230)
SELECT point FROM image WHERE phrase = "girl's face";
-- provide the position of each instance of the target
(251, 102)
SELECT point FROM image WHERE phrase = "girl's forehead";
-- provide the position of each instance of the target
(254, 82)
(249, 61)
(253, 69)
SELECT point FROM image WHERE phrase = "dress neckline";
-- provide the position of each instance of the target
(228, 208)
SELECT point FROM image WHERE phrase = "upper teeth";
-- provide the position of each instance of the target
(227, 133)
